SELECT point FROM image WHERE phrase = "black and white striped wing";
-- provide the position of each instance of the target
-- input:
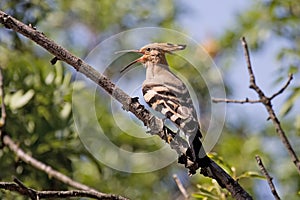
(174, 103)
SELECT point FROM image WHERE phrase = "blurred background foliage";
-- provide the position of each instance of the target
(39, 97)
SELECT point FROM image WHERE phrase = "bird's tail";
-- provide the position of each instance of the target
(196, 151)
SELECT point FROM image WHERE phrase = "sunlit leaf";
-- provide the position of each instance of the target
(293, 69)
(204, 195)
(289, 103)
(199, 196)
(297, 124)
(49, 79)
(221, 161)
(251, 174)
(19, 99)
(65, 112)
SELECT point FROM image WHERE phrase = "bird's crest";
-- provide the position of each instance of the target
(165, 47)
(162, 47)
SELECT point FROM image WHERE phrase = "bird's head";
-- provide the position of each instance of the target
(153, 52)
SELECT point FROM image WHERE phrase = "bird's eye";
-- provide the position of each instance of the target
(148, 49)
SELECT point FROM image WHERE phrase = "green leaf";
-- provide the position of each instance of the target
(297, 124)
(220, 160)
(251, 174)
(289, 103)
(199, 196)
(204, 195)
(65, 112)
(293, 69)
(19, 99)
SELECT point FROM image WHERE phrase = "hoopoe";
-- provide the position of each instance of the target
(164, 92)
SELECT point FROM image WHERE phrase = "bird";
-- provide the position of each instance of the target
(164, 92)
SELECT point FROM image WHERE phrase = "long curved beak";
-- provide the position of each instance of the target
(130, 64)
(127, 51)
(133, 62)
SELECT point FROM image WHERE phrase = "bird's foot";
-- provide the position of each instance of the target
(189, 164)
(131, 100)
(134, 99)
(169, 135)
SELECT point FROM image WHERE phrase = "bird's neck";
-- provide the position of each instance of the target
(156, 67)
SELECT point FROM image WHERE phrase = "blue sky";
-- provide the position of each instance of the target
(210, 19)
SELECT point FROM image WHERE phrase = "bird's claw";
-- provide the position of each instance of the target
(130, 101)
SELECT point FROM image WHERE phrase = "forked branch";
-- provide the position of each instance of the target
(268, 105)
(266, 101)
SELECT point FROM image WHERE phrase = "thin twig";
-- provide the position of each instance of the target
(267, 103)
(252, 81)
(283, 88)
(19, 187)
(219, 100)
(269, 178)
(213, 170)
(29, 192)
(180, 186)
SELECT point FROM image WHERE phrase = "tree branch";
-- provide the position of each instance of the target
(219, 100)
(180, 186)
(283, 88)
(131, 104)
(19, 187)
(269, 178)
(266, 101)
(268, 105)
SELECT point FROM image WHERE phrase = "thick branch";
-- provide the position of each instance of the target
(213, 170)
(268, 105)
(269, 178)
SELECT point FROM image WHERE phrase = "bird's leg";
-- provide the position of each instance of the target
(134, 99)
(166, 136)
(169, 135)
